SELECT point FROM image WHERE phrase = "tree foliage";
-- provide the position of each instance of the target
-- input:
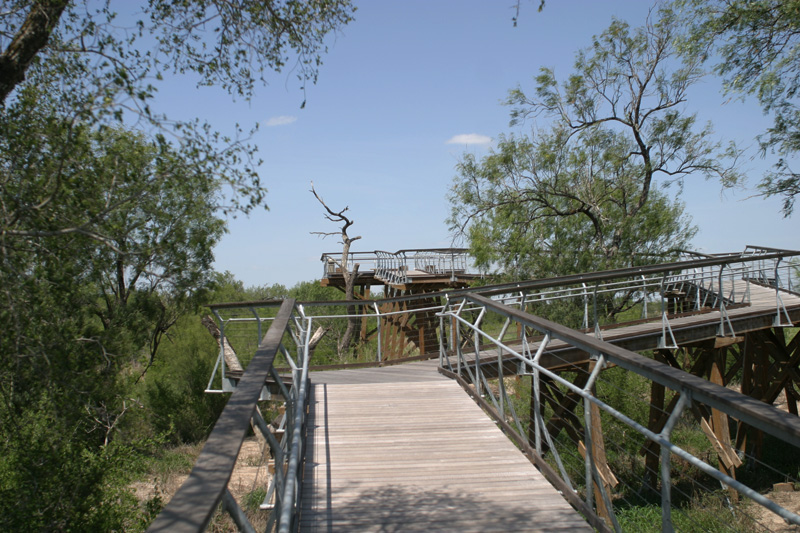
(109, 213)
(543, 207)
(82, 297)
(100, 67)
(755, 45)
(580, 194)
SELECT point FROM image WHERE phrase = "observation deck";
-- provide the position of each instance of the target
(426, 268)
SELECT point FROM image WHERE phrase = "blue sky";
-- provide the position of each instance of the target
(405, 90)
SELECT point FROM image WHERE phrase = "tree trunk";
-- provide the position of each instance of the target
(29, 40)
(353, 320)
(228, 353)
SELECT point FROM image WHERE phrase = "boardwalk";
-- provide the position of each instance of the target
(404, 449)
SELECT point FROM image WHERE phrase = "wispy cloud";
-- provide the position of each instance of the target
(282, 120)
(469, 138)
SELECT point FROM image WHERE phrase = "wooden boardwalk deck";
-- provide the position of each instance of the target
(402, 448)
(405, 449)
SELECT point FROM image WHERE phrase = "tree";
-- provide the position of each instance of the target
(77, 316)
(348, 274)
(581, 195)
(108, 216)
(227, 43)
(151, 211)
(102, 70)
(545, 207)
(755, 44)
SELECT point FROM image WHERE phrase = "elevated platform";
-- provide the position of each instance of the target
(425, 269)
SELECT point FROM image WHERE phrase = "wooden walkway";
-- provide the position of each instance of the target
(404, 449)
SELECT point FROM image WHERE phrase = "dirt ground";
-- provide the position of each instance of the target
(249, 475)
(771, 521)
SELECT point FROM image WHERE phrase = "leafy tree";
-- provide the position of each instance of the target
(580, 195)
(545, 207)
(98, 71)
(176, 404)
(106, 233)
(77, 315)
(151, 211)
(755, 44)
(225, 43)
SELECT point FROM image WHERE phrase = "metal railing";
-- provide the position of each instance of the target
(394, 267)
(713, 281)
(193, 506)
(663, 291)
(472, 310)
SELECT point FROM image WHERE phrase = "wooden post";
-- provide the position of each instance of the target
(717, 429)
(365, 292)
(607, 477)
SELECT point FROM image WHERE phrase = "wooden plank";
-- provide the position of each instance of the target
(418, 456)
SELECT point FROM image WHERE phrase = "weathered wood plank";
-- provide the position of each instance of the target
(418, 456)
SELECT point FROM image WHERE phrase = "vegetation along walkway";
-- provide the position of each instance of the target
(406, 449)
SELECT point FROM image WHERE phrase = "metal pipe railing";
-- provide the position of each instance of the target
(192, 507)
(691, 388)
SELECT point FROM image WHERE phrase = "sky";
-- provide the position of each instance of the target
(405, 90)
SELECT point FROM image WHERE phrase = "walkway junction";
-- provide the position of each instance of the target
(661, 397)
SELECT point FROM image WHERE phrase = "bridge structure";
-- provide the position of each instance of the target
(651, 397)
(407, 325)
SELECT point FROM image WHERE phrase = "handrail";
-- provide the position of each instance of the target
(572, 279)
(700, 279)
(691, 389)
(192, 507)
(393, 267)
(290, 500)
(751, 411)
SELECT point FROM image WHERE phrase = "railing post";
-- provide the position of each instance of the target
(644, 297)
(585, 307)
(477, 342)
(379, 351)
(597, 333)
(538, 422)
(666, 464)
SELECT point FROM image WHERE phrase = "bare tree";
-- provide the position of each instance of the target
(349, 275)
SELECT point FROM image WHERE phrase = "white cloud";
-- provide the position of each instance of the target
(469, 138)
(282, 120)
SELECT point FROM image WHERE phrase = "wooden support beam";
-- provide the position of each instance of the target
(607, 477)
(228, 353)
(717, 430)
(364, 294)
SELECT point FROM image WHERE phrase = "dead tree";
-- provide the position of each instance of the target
(349, 275)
